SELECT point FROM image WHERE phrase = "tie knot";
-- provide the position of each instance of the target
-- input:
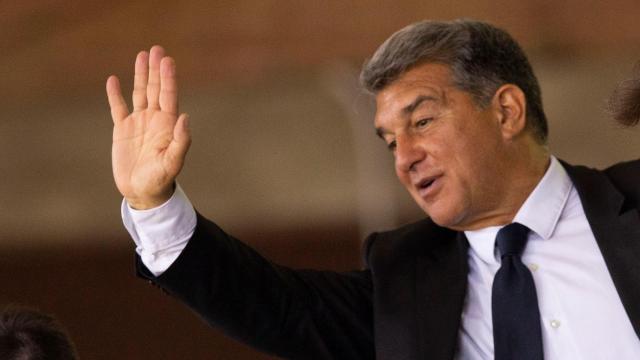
(511, 239)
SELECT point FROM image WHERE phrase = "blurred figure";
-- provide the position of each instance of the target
(26, 334)
(624, 103)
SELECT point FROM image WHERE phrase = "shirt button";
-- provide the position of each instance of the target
(533, 267)
(555, 324)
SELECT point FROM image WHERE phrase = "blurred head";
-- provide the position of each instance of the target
(624, 102)
(458, 105)
(29, 335)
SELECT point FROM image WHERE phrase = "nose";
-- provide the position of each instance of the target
(408, 153)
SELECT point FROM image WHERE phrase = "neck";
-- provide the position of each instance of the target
(520, 173)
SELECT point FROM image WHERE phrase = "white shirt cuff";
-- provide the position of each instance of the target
(161, 233)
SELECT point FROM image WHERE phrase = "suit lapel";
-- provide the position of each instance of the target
(617, 232)
(420, 276)
(441, 276)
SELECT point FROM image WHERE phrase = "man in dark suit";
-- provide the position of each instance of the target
(522, 256)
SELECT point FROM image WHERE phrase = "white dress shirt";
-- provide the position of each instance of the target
(581, 313)
(580, 310)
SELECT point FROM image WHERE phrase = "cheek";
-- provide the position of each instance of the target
(470, 154)
(460, 164)
(474, 174)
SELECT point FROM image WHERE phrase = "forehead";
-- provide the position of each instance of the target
(430, 80)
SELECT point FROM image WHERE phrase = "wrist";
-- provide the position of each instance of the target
(150, 202)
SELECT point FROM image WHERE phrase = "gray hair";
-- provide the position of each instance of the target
(481, 56)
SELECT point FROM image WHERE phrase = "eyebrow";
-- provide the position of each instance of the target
(419, 100)
(380, 132)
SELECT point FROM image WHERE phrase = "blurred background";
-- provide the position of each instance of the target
(284, 155)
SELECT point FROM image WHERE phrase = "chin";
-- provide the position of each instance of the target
(448, 218)
(443, 222)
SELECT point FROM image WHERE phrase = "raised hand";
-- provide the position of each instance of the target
(150, 143)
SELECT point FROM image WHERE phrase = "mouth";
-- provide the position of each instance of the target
(427, 185)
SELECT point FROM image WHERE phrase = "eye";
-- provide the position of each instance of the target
(423, 122)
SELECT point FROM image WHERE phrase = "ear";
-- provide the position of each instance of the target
(511, 108)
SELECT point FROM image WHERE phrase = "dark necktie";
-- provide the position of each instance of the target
(516, 318)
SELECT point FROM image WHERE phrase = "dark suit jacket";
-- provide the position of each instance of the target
(407, 302)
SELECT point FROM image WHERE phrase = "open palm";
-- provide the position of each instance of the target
(150, 143)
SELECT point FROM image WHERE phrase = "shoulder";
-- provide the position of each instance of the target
(622, 177)
(627, 171)
(404, 242)
(626, 178)
(619, 171)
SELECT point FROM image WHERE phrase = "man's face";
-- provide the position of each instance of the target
(447, 150)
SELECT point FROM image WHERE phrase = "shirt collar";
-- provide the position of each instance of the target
(540, 211)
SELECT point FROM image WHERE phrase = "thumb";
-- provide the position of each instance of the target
(181, 131)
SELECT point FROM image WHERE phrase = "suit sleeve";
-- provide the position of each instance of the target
(295, 314)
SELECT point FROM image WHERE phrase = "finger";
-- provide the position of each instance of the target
(140, 79)
(119, 110)
(153, 86)
(177, 149)
(168, 86)
(181, 132)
